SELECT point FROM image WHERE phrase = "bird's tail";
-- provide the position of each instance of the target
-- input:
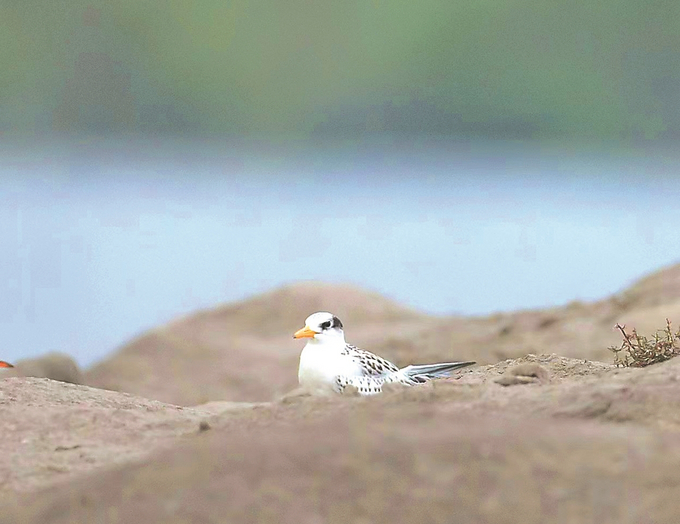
(426, 372)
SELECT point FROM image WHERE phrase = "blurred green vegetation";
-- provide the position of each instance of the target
(539, 69)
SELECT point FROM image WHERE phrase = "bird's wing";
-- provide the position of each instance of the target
(371, 365)
(365, 385)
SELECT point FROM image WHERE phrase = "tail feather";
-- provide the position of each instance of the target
(430, 371)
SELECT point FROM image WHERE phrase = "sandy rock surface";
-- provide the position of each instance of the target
(593, 443)
(244, 352)
(54, 365)
(52, 431)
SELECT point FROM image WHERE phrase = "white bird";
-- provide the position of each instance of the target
(329, 364)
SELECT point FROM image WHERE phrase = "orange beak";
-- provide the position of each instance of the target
(305, 332)
(4, 364)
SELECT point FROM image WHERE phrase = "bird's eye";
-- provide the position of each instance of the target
(326, 325)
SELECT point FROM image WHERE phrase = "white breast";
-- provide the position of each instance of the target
(320, 364)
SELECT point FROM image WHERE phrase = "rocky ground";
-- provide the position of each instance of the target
(537, 438)
(245, 352)
(569, 441)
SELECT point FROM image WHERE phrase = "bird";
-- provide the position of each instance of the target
(329, 365)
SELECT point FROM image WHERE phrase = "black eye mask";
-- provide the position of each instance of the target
(334, 323)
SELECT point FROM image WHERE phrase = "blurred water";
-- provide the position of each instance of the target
(102, 239)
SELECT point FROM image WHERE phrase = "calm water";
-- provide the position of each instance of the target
(103, 239)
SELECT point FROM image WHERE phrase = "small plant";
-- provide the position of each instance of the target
(637, 351)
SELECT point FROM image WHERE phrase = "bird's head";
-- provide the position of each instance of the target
(322, 327)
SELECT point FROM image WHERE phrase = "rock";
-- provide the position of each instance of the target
(55, 366)
(330, 459)
(244, 351)
(525, 373)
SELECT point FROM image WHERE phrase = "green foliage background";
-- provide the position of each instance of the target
(607, 69)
